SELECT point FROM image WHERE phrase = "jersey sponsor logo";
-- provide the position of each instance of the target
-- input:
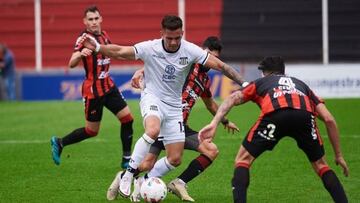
(184, 61)
(169, 75)
(101, 62)
(286, 86)
(103, 74)
(153, 108)
(192, 93)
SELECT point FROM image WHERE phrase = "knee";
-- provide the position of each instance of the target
(153, 132)
(126, 119)
(91, 132)
(209, 149)
(174, 161)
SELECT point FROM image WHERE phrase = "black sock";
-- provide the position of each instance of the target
(126, 132)
(333, 185)
(74, 137)
(195, 167)
(240, 183)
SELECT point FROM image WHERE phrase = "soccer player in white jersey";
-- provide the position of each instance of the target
(167, 62)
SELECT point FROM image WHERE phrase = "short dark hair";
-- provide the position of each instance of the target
(171, 22)
(213, 43)
(273, 64)
(92, 8)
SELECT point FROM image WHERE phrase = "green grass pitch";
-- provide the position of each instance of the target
(28, 174)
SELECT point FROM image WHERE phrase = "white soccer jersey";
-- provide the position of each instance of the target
(165, 72)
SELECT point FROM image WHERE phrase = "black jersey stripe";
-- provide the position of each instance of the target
(289, 100)
(95, 91)
(302, 103)
(274, 101)
(102, 81)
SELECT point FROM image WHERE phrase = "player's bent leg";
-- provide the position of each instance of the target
(112, 191)
(141, 148)
(174, 152)
(241, 177)
(209, 149)
(208, 152)
(148, 163)
(80, 134)
(330, 180)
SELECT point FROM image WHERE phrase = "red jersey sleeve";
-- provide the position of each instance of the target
(249, 92)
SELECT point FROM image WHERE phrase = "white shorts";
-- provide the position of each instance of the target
(171, 118)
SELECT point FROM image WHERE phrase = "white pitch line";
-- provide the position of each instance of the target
(38, 141)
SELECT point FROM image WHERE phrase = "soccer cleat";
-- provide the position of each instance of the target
(56, 149)
(112, 191)
(179, 189)
(125, 185)
(135, 196)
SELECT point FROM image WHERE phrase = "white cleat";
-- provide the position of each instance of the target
(125, 185)
(178, 188)
(136, 196)
(114, 187)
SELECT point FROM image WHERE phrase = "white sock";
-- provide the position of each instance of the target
(141, 148)
(161, 167)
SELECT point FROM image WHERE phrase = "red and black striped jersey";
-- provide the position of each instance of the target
(97, 79)
(196, 85)
(275, 92)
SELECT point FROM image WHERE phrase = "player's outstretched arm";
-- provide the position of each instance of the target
(208, 132)
(212, 107)
(333, 134)
(215, 63)
(110, 50)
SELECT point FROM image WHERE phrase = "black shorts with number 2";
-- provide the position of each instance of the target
(298, 124)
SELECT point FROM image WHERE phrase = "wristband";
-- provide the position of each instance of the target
(97, 47)
(225, 121)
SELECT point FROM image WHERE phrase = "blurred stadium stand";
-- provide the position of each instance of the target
(252, 29)
(126, 21)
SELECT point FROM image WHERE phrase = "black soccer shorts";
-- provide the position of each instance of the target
(298, 124)
(113, 100)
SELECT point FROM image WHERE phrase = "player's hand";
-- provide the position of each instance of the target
(89, 42)
(86, 52)
(207, 132)
(231, 127)
(339, 160)
(137, 78)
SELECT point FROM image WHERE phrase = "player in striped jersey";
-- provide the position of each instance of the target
(288, 108)
(98, 90)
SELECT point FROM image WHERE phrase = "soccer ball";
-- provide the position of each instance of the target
(153, 190)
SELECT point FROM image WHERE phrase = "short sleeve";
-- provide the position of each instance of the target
(140, 49)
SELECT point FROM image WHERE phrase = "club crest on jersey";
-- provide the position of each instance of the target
(184, 61)
(169, 75)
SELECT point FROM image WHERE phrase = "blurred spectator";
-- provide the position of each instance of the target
(7, 72)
